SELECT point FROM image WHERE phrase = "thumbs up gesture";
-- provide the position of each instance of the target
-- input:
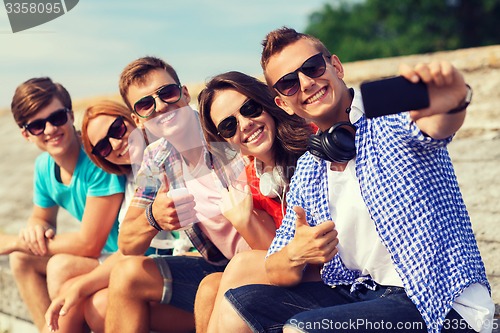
(312, 245)
(173, 209)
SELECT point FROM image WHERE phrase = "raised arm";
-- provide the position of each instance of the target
(447, 91)
(255, 226)
(137, 229)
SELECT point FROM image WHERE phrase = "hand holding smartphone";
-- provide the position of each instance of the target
(393, 95)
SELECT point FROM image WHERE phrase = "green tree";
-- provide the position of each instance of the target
(357, 30)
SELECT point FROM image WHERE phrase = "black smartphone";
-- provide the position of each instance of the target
(393, 95)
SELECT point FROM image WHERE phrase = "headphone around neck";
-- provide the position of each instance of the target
(271, 183)
(334, 145)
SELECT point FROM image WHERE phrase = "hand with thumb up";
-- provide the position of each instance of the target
(312, 244)
(173, 209)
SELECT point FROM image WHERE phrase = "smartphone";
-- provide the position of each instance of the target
(393, 95)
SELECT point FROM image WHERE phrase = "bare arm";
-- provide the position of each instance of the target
(34, 237)
(255, 226)
(310, 245)
(447, 90)
(98, 219)
(82, 287)
(136, 232)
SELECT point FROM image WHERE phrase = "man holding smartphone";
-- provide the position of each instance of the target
(380, 210)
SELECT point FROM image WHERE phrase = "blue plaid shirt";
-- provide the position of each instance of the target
(409, 186)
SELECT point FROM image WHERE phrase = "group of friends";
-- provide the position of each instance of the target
(276, 206)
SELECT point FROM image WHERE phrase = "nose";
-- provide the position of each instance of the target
(49, 128)
(115, 143)
(305, 81)
(245, 123)
(161, 106)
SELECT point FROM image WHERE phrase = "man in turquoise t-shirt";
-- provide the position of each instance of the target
(41, 260)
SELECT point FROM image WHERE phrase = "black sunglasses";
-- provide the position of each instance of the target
(313, 67)
(116, 130)
(249, 109)
(56, 118)
(171, 93)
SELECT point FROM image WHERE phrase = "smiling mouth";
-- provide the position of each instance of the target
(124, 151)
(254, 135)
(55, 138)
(316, 97)
(168, 116)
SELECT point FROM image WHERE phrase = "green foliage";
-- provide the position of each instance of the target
(358, 30)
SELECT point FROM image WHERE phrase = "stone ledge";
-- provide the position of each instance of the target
(12, 306)
(10, 301)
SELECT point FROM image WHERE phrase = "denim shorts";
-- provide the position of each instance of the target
(181, 277)
(316, 307)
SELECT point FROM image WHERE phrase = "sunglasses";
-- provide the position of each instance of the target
(56, 118)
(227, 127)
(170, 94)
(289, 83)
(116, 131)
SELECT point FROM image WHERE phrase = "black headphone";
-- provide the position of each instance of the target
(334, 145)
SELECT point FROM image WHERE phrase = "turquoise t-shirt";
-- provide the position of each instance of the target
(87, 181)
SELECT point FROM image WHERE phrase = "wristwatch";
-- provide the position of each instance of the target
(464, 103)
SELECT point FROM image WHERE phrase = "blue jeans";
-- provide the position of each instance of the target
(181, 277)
(315, 307)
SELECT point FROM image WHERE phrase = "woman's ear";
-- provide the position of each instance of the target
(283, 105)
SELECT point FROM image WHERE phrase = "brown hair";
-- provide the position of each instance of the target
(137, 72)
(108, 108)
(35, 94)
(278, 39)
(291, 131)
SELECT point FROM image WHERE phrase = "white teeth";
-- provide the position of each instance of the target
(125, 150)
(168, 117)
(254, 135)
(316, 96)
(54, 139)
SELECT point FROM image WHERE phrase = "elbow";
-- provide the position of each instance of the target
(125, 248)
(92, 251)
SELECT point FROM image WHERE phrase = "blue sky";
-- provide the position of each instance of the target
(87, 48)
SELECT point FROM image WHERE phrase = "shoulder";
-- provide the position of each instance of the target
(43, 159)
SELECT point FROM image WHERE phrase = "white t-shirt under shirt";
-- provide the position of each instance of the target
(361, 249)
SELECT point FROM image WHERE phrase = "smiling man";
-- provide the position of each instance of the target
(64, 177)
(157, 293)
(385, 218)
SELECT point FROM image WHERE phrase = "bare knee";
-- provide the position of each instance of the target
(59, 270)
(209, 285)
(95, 310)
(205, 300)
(133, 275)
(20, 262)
(231, 320)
